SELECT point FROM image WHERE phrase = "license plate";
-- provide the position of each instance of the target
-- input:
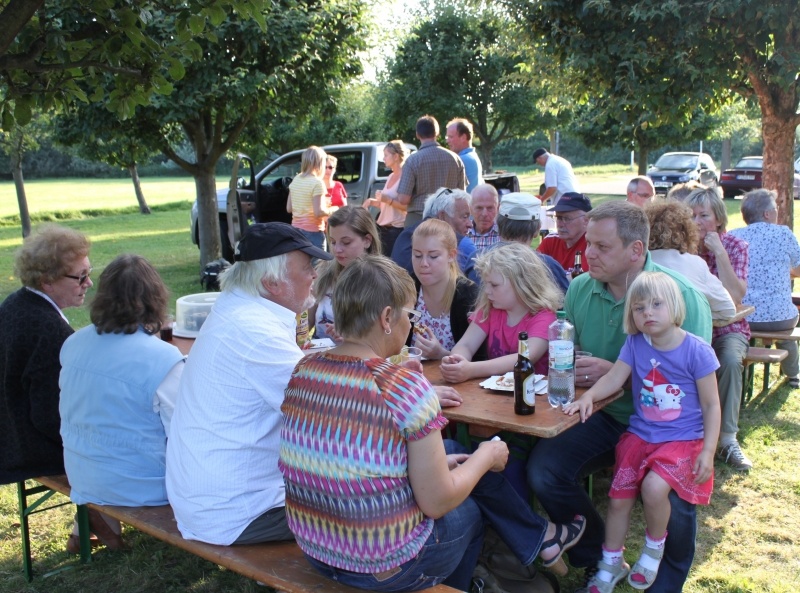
(662, 184)
(746, 177)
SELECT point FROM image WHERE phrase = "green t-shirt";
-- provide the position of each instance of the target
(598, 320)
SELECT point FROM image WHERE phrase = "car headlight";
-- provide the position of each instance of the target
(684, 178)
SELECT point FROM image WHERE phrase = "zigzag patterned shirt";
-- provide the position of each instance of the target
(344, 460)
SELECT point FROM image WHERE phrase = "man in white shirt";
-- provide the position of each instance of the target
(223, 480)
(559, 178)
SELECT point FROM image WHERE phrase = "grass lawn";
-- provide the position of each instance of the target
(747, 538)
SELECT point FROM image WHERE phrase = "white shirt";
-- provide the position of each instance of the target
(558, 173)
(696, 271)
(222, 452)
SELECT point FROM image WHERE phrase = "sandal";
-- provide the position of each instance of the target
(617, 571)
(574, 530)
(641, 577)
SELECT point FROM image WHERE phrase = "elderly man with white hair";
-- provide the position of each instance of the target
(485, 203)
(453, 207)
(223, 480)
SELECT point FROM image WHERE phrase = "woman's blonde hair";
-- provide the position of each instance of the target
(439, 229)
(712, 197)
(525, 271)
(313, 161)
(365, 288)
(358, 220)
(649, 286)
(398, 148)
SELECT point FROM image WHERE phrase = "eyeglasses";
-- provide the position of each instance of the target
(644, 196)
(82, 278)
(413, 314)
(566, 220)
(330, 167)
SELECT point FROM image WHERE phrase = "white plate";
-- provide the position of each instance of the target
(319, 345)
(540, 386)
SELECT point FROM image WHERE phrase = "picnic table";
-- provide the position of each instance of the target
(742, 311)
(487, 412)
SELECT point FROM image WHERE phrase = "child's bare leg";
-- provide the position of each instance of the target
(613, 567)
(617, 521)
(655, 496)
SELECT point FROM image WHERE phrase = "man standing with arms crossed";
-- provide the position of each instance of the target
(617, 237)
(427, 170)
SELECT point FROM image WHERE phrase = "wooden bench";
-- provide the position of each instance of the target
(280, 565)
(755, 355)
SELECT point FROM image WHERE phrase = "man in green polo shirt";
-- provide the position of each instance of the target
(617, 237)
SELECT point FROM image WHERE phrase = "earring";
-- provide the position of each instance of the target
(388, 331)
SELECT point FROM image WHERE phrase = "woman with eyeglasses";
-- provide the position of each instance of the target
(53, 266)
(119, 383)
(374, 496)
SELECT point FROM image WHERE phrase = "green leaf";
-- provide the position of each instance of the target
(196, 24)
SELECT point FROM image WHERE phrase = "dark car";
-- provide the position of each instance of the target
(746, 175)
(679, 167)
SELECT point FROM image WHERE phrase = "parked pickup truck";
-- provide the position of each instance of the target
(262, 196)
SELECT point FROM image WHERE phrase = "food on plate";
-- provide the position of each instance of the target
(506, 381)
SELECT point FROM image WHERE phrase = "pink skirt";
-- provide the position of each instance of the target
(672, 461)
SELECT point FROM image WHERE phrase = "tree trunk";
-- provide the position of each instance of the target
(207, 216)
(644, 153)
(19, 184)
(553, 142)
(778, 173)
(137, 188)
(725, 163)
(485, 153)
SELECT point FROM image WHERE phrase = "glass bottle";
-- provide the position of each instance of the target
(524, 379)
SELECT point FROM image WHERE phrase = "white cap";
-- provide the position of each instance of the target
(521, 206)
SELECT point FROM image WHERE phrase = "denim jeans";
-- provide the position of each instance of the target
(451, 552)
(556, 470)
(317, 238)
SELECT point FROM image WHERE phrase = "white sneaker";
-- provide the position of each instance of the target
(733, 455)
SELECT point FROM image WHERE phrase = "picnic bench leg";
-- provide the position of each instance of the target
(84, 534)
(25, 510)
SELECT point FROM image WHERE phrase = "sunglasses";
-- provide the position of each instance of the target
(82, 278)
(413, 314)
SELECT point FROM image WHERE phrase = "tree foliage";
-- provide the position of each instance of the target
(465, 63)
(55, 52)
(668, 58)
(240, 73)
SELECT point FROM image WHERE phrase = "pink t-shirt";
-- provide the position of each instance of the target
(503, 339)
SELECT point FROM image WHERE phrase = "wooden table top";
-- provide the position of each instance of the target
(742, 311)
(487, 411)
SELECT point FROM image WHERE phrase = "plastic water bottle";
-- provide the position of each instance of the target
(561, 374)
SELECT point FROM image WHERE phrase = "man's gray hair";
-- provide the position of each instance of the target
(632, 222)
(247, 276)
(633, 184)
(444, 200)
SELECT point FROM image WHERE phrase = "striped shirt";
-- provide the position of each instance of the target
(344, 460)
(302, 191)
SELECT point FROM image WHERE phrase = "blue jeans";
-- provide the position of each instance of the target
(556, 470)
(317, 238)
(451, 552)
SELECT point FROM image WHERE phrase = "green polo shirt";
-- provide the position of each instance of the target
(598, 320)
